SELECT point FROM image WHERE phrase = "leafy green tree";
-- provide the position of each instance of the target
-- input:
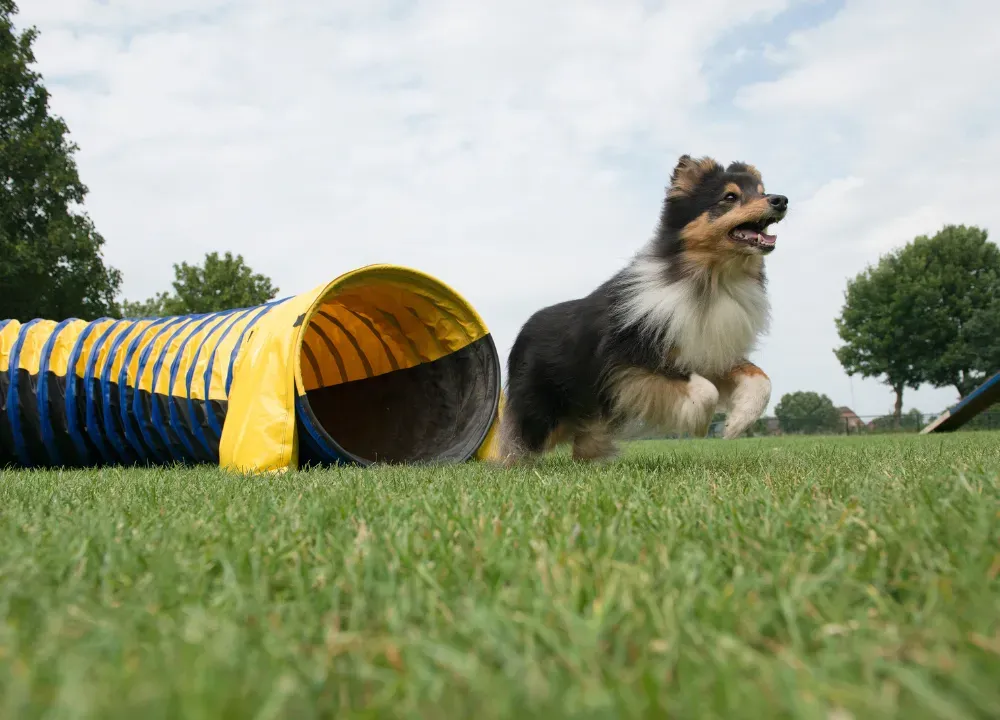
(220, 283)
(911, 421)
(882, 336)
(51, 261)
(807, 413)
(958, 273)
(982, 333)
(928, 312)
(151, 307)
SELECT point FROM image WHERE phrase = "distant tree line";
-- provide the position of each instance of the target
(811, 413)
(220, 283)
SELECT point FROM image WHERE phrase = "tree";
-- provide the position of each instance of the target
(151, 307)
(882, 335)
(957, 272)
(927, 312)
(221, 283)
(911, 421)
(51, 262)
(807, 412)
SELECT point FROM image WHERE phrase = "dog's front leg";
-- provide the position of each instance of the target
(700, 399)
(744, 393)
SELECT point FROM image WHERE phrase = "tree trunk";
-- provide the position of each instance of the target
(897, 413)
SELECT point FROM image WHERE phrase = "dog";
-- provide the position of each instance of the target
(663, 344)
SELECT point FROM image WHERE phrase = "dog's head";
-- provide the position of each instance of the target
(721, 213)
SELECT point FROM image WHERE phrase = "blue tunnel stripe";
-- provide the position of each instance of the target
(180, 428)
(138, 410)
(155, 414)
(44, 413)
(210, 417)
(129, 422)
(119, 443)
(72, 404)
(310, 441)
(313, 438)
(232, 318)
(207, 452)
(213, 420)
(93, 428)
(13, 402)
(3, 324)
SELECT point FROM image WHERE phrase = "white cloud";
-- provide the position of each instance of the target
(471, 140)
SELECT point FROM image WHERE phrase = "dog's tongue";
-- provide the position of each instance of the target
(758, 237)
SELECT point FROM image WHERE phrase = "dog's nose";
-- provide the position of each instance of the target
(778, 202)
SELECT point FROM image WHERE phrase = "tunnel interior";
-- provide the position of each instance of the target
(395, 368)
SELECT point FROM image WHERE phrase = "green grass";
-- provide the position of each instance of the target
(808, 578)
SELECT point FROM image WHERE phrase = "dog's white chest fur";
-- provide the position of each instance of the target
(709, 332)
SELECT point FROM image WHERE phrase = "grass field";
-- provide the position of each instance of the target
(811, 578)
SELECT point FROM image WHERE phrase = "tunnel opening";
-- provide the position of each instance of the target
(394, 367)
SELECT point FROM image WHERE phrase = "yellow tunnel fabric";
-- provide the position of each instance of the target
(380, 320)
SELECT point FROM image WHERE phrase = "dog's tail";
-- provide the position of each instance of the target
(509, 447)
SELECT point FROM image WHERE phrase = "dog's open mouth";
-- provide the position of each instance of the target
(754, 234)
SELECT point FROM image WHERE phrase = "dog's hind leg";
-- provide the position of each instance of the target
(510, 447)
(520, 439)
(594, 440)
(744, 393)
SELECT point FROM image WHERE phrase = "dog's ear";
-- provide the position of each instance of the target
(689, 173)
(742, 167)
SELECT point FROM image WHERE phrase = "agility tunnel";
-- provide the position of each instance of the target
(384, 364)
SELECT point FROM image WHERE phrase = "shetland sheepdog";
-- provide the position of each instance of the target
(663, 344)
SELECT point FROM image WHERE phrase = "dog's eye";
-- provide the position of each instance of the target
(731, 197)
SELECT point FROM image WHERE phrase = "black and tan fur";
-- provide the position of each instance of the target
(662, 344)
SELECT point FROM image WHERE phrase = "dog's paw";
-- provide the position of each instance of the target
(747, 404)
(699, 406)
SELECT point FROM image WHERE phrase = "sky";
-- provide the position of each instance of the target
(519, 150)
